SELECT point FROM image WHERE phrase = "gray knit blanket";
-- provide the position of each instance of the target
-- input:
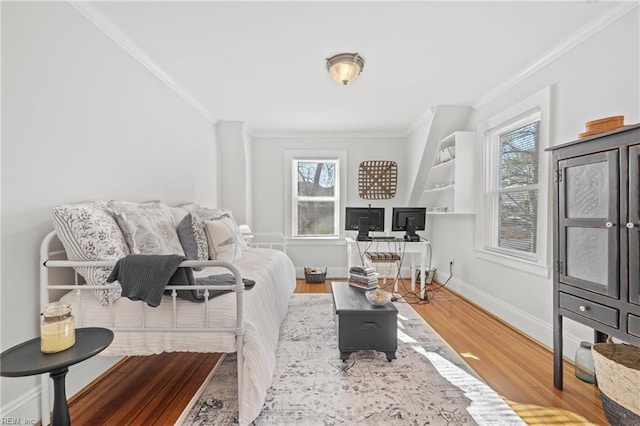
(145, 277)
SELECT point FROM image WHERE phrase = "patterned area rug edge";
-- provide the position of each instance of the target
(427, 383)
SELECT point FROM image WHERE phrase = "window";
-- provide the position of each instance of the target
(513, 189)
(316, 201)
(315, 193)
(513, 215)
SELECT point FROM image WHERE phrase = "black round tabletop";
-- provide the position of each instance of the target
(27, 359)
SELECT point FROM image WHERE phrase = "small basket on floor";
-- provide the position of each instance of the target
(314, 275)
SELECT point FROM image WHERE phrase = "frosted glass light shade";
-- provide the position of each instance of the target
(345, 67)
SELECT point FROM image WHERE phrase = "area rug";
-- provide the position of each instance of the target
(428, 383)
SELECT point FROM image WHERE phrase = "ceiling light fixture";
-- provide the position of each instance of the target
(345, 67)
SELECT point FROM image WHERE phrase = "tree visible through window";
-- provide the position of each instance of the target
(518, 188)
(515, 200)
(316, 200)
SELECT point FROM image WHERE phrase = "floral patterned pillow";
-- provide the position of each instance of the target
(148, 228)
(88, 232)
(198, 217)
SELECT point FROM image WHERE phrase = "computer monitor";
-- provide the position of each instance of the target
(363, 220)
(410, 220)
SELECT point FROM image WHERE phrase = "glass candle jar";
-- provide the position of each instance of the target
(585, 369)
(57, 330)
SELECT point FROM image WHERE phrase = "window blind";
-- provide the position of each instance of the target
(515, 201)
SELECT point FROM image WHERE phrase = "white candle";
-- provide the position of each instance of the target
(57, 330)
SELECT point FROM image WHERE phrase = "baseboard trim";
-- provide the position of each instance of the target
(529, 326)
(23, 410)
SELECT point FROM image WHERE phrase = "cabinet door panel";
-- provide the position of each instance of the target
(588, 216)
(633, 224)
(588, 254)
(633, 326)
(588, 195)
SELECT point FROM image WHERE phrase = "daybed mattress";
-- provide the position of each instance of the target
(265, 306)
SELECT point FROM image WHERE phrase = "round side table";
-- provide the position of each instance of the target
(27, 359)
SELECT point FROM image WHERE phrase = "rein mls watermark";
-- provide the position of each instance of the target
(17, 421)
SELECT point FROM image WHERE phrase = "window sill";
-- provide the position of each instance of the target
(325, 241)
(522, 265)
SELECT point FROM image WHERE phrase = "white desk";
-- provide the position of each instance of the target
(356, 252)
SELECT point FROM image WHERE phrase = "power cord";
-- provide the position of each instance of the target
(447, 281)
(450, 274)
(417, 297)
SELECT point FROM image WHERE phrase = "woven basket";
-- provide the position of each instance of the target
(618, 373)
(314, 275)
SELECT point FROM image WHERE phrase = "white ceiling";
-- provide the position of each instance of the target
(263, 63)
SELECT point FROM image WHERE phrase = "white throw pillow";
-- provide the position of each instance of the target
(88, 232)
(225, 240)
(178, 213)
(148, 228)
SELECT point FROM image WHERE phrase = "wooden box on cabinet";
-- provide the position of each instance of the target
(596, 215)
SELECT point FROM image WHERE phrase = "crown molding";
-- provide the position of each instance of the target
(100, 20)
(319, 134)
(301, 135)
(560, 49)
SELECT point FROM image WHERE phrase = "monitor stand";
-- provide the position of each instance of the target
(411, 238)
(410, 231)
(363, 229)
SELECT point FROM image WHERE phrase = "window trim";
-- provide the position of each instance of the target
(290, 216)
(538, 264)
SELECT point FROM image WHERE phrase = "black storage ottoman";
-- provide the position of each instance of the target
(362, 325)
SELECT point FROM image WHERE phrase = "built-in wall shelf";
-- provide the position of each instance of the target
(440, 189)
(447, 213)
(450, 183)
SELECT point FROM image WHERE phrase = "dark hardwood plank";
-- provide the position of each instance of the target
(142, 390)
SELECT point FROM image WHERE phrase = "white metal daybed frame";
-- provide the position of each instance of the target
(45, 287)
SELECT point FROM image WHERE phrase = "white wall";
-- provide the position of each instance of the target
(81, 119)
(234, 168)
(416, 147)
(268, 189)
(597, 78)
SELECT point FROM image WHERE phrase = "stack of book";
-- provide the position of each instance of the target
(364, 277)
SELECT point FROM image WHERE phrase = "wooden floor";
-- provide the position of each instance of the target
(156, 389)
